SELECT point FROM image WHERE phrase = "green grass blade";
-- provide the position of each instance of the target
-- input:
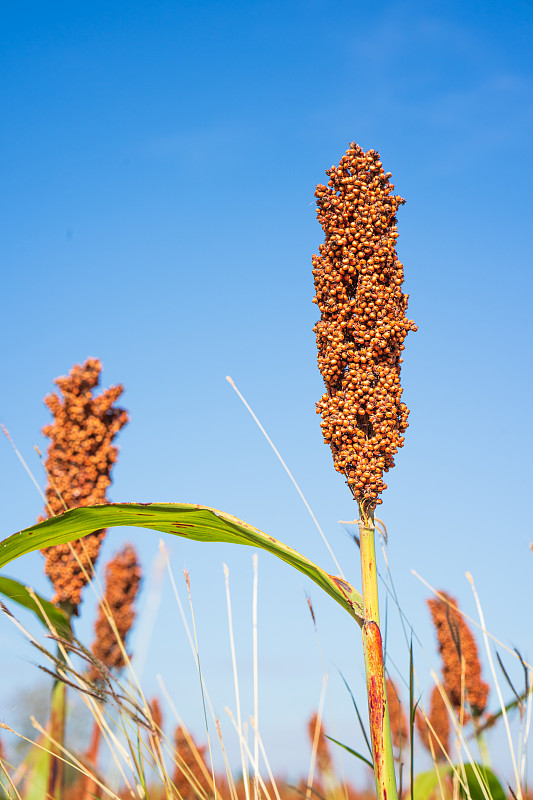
(43, 609)
(196, 522)
(349, 750)
(361, 724)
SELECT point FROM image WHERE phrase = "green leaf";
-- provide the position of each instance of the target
(196, 522)
(349, 750)
(361, 725)
(36, 768)
(42, 608)
(426, 784)
(476, 775)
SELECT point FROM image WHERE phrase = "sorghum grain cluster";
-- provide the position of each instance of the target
(398, 720)
(360, 335)
(438, 742)
(459, 656)
(324, 761)
(79, 462)
(122, 580)
(191, 772)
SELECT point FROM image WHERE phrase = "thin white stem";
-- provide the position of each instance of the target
(186, 625)
(28, 470)
(256, 673)
(267, 764)
(316, 737)
(527, 728)
(289, 473)
(236, 682)
(496, 684)
(249, 754)
(197, 654)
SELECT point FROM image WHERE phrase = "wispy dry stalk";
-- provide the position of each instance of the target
(79, 462)
(190, 775)
(358, 282)
(398, 720)
(439, 720)
(461, 667)
(122, 581)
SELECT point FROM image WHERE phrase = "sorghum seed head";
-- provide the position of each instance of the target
(79, 462)
(323, 755)
(122, 581)
(459, 655)
(157, 715)
(360, 335)
(189, 777)
(398, 720)
(440, 722)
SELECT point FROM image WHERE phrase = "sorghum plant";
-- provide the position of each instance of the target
(360, 335)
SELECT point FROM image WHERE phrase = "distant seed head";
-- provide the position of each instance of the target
(323, 756)
(459, 655)
(398, 720)
(360, 334)
(157, 716)
(440, 723)
(122, 581)
(79, 462)
(190, 779)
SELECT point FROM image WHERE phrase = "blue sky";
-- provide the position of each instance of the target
(157, 211)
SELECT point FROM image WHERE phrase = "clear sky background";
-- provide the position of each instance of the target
(158, 171)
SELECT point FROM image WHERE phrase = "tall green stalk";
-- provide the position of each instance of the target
(378, 709)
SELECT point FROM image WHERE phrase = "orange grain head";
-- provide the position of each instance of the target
(459, 654)
(189, 778)
(323, 756)
(398, 720)
(79, 462)
(122, 581)
(362, 327)
(436, 736)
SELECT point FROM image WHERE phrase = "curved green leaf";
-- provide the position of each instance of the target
(482, 782)
(43, 609)
(196, 522)
(349, 750)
